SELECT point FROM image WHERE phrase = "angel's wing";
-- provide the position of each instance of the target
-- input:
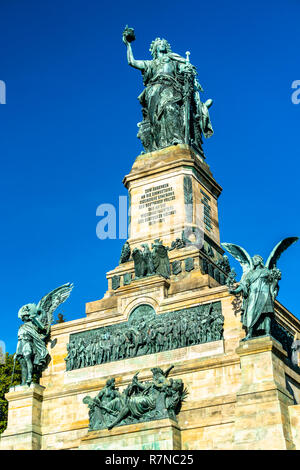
(241, 255)
(278, 250)
(51, 301)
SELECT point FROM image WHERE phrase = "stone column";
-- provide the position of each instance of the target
(23, 430)
(262, 414)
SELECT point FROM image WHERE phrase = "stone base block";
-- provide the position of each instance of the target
(20, 441)
(261, 411)
(24, 425)
(161, 434)
(294, 413)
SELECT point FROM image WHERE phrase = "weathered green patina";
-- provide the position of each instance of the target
(159, 398)
(115, 282)
(188, 197)
(146, 333)
(189, 264)
(176, 267)
(34, 334)
(156, 261)
(172, 110)
(125, 253)
(127, 278)
(224, 264)
(161, 259)
(258, 286)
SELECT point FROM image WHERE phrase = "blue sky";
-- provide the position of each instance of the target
(68, 133)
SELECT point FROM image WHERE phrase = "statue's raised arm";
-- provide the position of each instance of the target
(128, 38)
(171, 107)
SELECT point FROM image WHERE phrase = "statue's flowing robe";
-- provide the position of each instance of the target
(163, 89)
(135, 405)
(112, 399)
(257, 296)
(204, 120)
(140, 404)
(30, 342)
(148, 261)
(161, 260)
(139, 263)
(112, 402)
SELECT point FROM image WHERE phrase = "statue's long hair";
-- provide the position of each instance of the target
(153, 46)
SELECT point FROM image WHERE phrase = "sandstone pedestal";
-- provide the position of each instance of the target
(262, 401)
(239, 393)
(170, 190)
(24, 424)
(163, 434)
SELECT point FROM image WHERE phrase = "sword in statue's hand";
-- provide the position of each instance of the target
(187, 92)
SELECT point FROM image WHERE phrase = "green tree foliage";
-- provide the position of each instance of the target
(6, 370)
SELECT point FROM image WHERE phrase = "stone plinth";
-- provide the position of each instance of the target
(238, 393)
(170, 190)
(24, 424)
(163, 434)
(262, 401)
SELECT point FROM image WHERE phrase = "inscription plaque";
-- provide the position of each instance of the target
(155, 204)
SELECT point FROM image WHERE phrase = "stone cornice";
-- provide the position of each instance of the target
(168, 159)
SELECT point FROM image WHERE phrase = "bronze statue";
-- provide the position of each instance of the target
(140, 267)
(258, 286)
(125, 253)
(139, 401)
(161, 259)
(34, 334)
(147, 263)
(172, 110)
(146, 334)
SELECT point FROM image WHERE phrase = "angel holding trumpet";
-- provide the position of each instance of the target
(258, 286)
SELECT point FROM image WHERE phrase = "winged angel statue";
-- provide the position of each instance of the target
(34, 334)
(258, 285)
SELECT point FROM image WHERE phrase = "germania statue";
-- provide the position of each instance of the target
(34, 334)
(172, 110)
(258, 286)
